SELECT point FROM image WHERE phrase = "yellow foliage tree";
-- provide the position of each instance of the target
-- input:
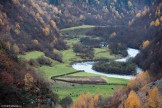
(17, 25)
(132, 100)
(141, 79)
(145, 44)
(46, 31)
(37, 15)
(55, 40)
(161, 18)
(1, 15)
(15, 1)
(1, 23)
(96, 98)
(154, 98)
(28, 79)
(81, 17)
(158, 12)
(82, 101)
(157, 22)
(15, 49)
(105, 10)
(23, 6)
(35, 41)
(39, 9)
(8, 45)
(55, 51)
(152, 23)
(138, 15)
(53, 23)
(86, 101)
(113, 34)
(91, 104)
(129, 3)
(41, 20)
(4, 15)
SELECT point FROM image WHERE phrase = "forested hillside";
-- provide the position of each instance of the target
(99, 12)
(152, 49)
(129, 22)
(29, 27)
(150, 56)
(20, 85)
(142, 27)
(22, 28)
(145, 90)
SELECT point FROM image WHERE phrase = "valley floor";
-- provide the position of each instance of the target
(64, 89)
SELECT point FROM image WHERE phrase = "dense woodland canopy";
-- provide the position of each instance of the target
(98, 12)
(18, 84)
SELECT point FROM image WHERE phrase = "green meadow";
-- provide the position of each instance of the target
(68, 89)
(78, 27)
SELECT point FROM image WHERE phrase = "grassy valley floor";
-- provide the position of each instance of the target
(64, 89)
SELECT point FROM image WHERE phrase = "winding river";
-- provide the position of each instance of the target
(87, 66)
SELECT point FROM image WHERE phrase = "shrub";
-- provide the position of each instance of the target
(83, 50)
(57, 54)
(54, 55)
(44, 61)
(118, 48)
(115, 67)
(33, 62)
(90, 42)
(66, 102)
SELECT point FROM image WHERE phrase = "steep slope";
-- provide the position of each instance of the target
(24, 26)
(145, 90)
(20, 86)
(98, 12)
(147, 85)
(139, 29)
(150, 56)
(131, 21)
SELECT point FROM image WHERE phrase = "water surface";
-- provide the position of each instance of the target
(87, 66)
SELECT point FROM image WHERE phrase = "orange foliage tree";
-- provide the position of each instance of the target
(132, 100)
(145, 44)
(141, 79)
(28, 81)
(157, 22)
(155, 98)
(152, 23)
(86, 101)
(46, 31)
(1, 23)
(161, 18)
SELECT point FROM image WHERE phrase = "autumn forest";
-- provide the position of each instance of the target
(81, 53)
